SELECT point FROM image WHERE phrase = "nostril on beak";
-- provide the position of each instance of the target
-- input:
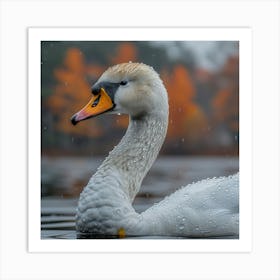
(95, 90)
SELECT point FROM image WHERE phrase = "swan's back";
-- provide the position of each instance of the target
(206, 207)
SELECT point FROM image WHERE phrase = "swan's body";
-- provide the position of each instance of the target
(205, 209)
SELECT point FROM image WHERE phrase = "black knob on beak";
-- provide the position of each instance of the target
(95, 89)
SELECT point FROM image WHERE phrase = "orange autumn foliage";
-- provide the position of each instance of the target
(225, 103)
(122, 121)
(125, 52)
(225, 107)
(71, 93)
(94, 71)
(72, 90)
(203, 104)
(186, 118)
(219, 103)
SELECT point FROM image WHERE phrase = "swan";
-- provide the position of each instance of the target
(208, 208)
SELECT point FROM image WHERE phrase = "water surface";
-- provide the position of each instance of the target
(63, 178)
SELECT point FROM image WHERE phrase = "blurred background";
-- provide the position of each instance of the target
(202, 79)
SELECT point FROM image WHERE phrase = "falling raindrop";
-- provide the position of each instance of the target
(181, 227)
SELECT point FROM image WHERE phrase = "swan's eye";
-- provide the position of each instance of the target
(123, 83)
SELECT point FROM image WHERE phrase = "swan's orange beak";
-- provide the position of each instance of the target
(97, 105)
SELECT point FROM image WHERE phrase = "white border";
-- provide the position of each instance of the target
(243, 35)
(263, 260)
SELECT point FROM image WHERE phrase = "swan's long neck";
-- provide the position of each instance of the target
(132, 158)
(105, 203)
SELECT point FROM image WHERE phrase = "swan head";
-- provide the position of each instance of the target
(128, 88)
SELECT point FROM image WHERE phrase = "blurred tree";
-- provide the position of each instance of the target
(225, 103)
(125, 52)
(202, 102)
(186, 118)
(71, 93)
